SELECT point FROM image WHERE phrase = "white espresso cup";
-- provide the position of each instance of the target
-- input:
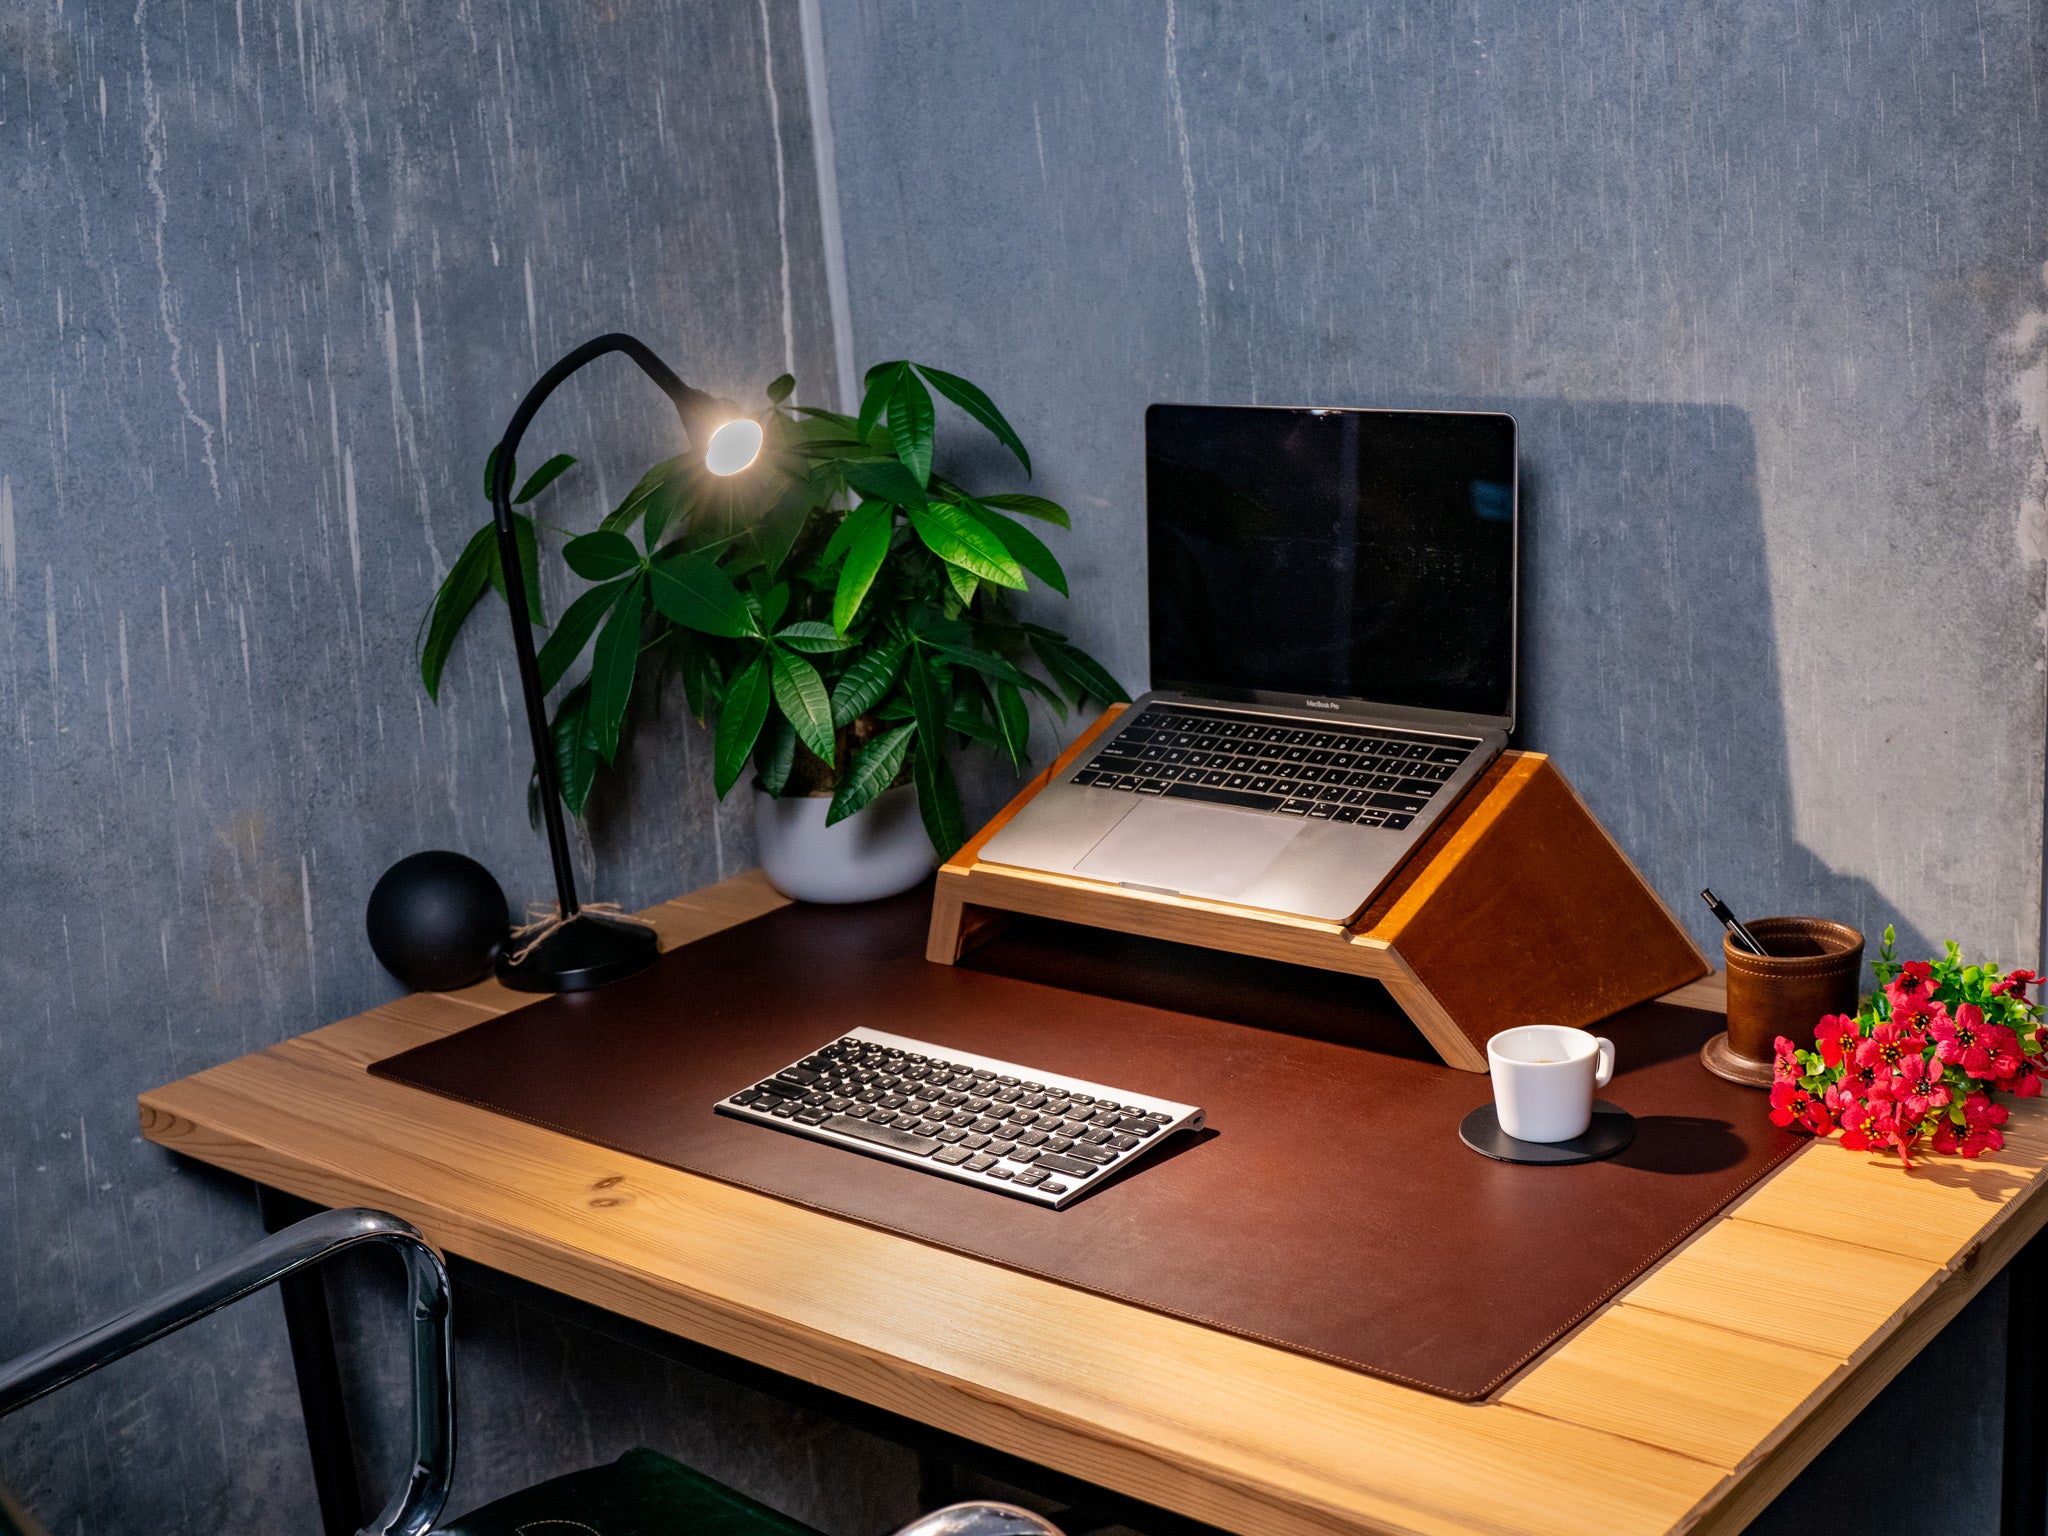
(1543, 1080)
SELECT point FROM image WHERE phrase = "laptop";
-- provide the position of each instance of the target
(1332, 598)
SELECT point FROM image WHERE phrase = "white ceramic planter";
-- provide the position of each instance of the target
(879, 851)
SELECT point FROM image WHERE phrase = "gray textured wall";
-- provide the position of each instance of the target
(1762, 282)
(271, 278)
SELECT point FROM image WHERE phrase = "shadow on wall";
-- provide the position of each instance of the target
(1649, 661)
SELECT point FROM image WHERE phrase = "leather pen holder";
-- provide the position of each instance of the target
(1811, 971)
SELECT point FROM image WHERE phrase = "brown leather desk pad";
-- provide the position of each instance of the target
(1329, 1208)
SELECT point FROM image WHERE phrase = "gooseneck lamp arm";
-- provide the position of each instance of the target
(591, 951)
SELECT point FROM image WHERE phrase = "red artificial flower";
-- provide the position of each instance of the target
(1981, 1112)
(1915, 982)
(1921, 1086)
(2027, 1084)
(2014, 984)
(2003, 1047)
(1872, 1125)
(1966, 1142)
(1886, 1046)
(1792, 1104)
(1837, 1036)
(1959, 1041)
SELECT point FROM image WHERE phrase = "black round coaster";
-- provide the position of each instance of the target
(1612, 1129)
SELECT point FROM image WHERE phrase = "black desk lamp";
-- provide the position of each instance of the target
(587, 949)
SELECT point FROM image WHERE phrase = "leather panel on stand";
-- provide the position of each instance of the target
(1328, 1208)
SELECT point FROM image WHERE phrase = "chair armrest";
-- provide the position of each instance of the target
(417, 1504)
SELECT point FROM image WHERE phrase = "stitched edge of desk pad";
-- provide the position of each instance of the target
(1329, 1210)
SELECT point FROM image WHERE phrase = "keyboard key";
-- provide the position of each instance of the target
(882, 1136)
(1031, 1176)
(1071, 1166)
(1223, 795)
(811, 1115)
(981, 1162)
(1093, 1154)
(1052, 1186)
(1293, 807)
(1407, 804)
(1397, 823)
(955, 1156)
(1321, 811)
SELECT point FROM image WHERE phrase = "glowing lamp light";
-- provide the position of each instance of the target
(733, 446)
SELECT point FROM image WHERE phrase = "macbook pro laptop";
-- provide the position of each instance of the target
(1332, 599)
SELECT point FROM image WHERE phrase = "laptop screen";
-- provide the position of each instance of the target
(1349, 554)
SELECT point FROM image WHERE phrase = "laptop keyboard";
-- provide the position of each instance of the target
(1366, 775)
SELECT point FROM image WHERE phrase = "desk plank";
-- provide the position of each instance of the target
(1685, 1405)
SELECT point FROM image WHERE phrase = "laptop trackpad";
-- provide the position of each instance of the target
(1182, 845)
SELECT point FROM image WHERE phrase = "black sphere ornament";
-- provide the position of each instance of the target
(437, 921)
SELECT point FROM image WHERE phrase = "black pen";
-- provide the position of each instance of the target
(1731, 922)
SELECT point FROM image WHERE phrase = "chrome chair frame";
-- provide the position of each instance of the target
(418, 1503)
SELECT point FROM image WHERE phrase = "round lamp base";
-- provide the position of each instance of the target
(590, 950)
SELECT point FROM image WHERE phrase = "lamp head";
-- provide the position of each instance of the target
(733, 446)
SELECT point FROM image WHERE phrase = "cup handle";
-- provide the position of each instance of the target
(1604, 1073)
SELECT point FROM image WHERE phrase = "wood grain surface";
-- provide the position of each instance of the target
(1687, 1404)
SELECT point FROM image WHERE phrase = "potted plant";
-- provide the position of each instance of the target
(841, 610)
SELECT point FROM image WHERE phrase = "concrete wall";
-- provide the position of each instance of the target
(1762, 283)
(271, 278)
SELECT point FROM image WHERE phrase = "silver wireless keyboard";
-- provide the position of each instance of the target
(1016, 1130)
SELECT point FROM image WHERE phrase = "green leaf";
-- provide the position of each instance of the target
(529, 566)
(701, 677)
(575, 752)
(612, 666)
(881, 380)
(601, 556)
(692, 592)
(963, 584)
(811, 636)
(974, 726)
(1024, 546)
(1078, 673)
(775, 755)
(866, 551)
(740, 719)
(452, 604)
(927, 690)
(958, 539)
(542, 478)
(938, 796)
(843, 535)
(652, 491)
(1015, 721)
(776, 531)
(978, 405)
(862, 685)
(573, 632)
(884, 480)
(774, 600)
(1031, 506)
(912, 423)
(801, 694)
(988, 663)
(873, 769)
(780, 387)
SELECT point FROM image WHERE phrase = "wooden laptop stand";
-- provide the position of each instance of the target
(1518, 908)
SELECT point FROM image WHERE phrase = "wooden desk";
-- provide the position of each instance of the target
(1684, 1405)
